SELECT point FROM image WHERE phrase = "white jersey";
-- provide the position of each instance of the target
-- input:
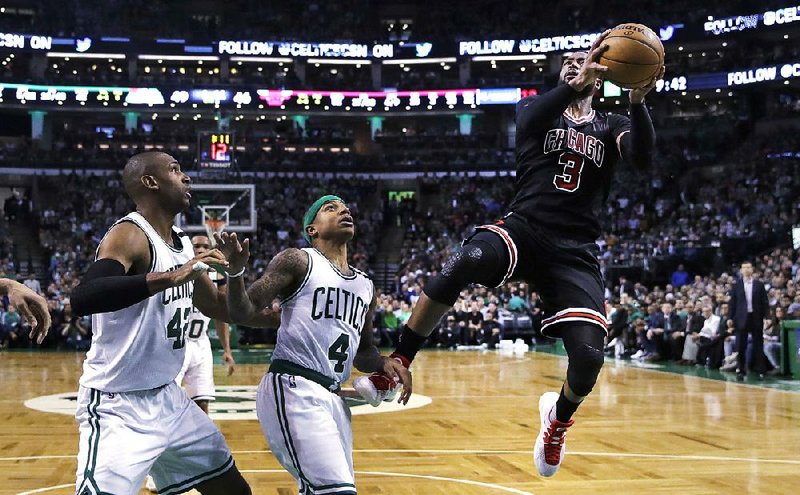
(141, 347)
(321, 322)
(198, 322)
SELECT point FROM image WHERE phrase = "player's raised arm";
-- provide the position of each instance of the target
(637, 146)
(283, 276)
(119, 278)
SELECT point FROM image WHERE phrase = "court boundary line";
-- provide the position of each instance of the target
(688, 457)
(627, 364)
(367, 473)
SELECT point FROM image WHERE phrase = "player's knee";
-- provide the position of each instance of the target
(454, 275)
(585, 363)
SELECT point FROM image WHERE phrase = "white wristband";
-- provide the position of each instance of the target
(237, 274)
(200, 267)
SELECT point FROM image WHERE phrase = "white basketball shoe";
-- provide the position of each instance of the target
(550, 447)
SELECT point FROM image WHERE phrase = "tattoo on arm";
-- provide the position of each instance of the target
(284, 275)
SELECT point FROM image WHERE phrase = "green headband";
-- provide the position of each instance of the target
(312, 211)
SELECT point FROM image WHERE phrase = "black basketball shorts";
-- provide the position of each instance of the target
(564, 272)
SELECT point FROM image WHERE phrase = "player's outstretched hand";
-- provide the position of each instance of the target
(227, 360)
(33, 309)
(396, 371)
(637, 95)
(591, 68)
(237, 253)
(199, 265)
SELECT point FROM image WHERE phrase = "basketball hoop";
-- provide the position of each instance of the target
(214, 221)
(214, 226)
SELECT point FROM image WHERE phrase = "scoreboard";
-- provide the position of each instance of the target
(215, 149)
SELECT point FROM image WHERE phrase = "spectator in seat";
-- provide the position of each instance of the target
(474, 320)
(710, 340)
(680, 277)
(74, 330)
(490, 332)
(448, 333)
(33, 284)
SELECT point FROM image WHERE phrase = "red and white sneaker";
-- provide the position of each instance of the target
(550, 447)
(378, 387)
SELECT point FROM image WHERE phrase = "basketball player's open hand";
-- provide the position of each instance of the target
(591, 68)
(396, 371)
(637, 95)
(32, 307)
(227, 360)
(237, 253)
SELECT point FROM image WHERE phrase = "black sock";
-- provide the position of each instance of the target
(409, 343)
(565, 408)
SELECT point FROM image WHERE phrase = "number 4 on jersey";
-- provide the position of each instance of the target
(176, 329)
(338, 352)
(570, 179)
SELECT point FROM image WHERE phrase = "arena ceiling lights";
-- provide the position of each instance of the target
(495, 58)
(184, 58)
(411, 61)
(269, 60)
(337, 61)
(86, 55)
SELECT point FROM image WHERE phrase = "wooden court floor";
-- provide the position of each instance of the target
(642, 431)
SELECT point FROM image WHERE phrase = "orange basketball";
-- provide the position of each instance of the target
(634, 55)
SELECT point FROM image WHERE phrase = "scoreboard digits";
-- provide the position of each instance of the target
(215, 149)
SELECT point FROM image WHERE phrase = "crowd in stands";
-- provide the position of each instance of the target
(280, 146)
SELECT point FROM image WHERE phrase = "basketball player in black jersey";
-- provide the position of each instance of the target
(566, 154)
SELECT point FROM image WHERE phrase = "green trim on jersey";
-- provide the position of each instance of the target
(94, 442)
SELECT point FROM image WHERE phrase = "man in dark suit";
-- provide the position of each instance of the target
(748, 308)
(667, 333)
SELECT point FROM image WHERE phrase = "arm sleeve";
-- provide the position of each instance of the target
(637, 145)
(106, 287)
(537, 111)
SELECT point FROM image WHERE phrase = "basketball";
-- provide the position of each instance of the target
(634, 55)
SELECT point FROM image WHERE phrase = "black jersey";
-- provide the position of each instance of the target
(564, 170)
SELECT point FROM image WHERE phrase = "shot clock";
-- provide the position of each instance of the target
(215, 149)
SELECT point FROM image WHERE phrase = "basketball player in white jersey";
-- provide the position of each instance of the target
(326, 328)
(133, 417)
(197, 373)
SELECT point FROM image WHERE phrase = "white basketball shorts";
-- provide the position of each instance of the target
(125, 435)
(308, 430)
(197, 373)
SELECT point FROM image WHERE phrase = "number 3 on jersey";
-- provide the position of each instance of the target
(338, 352)
(570, 179)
